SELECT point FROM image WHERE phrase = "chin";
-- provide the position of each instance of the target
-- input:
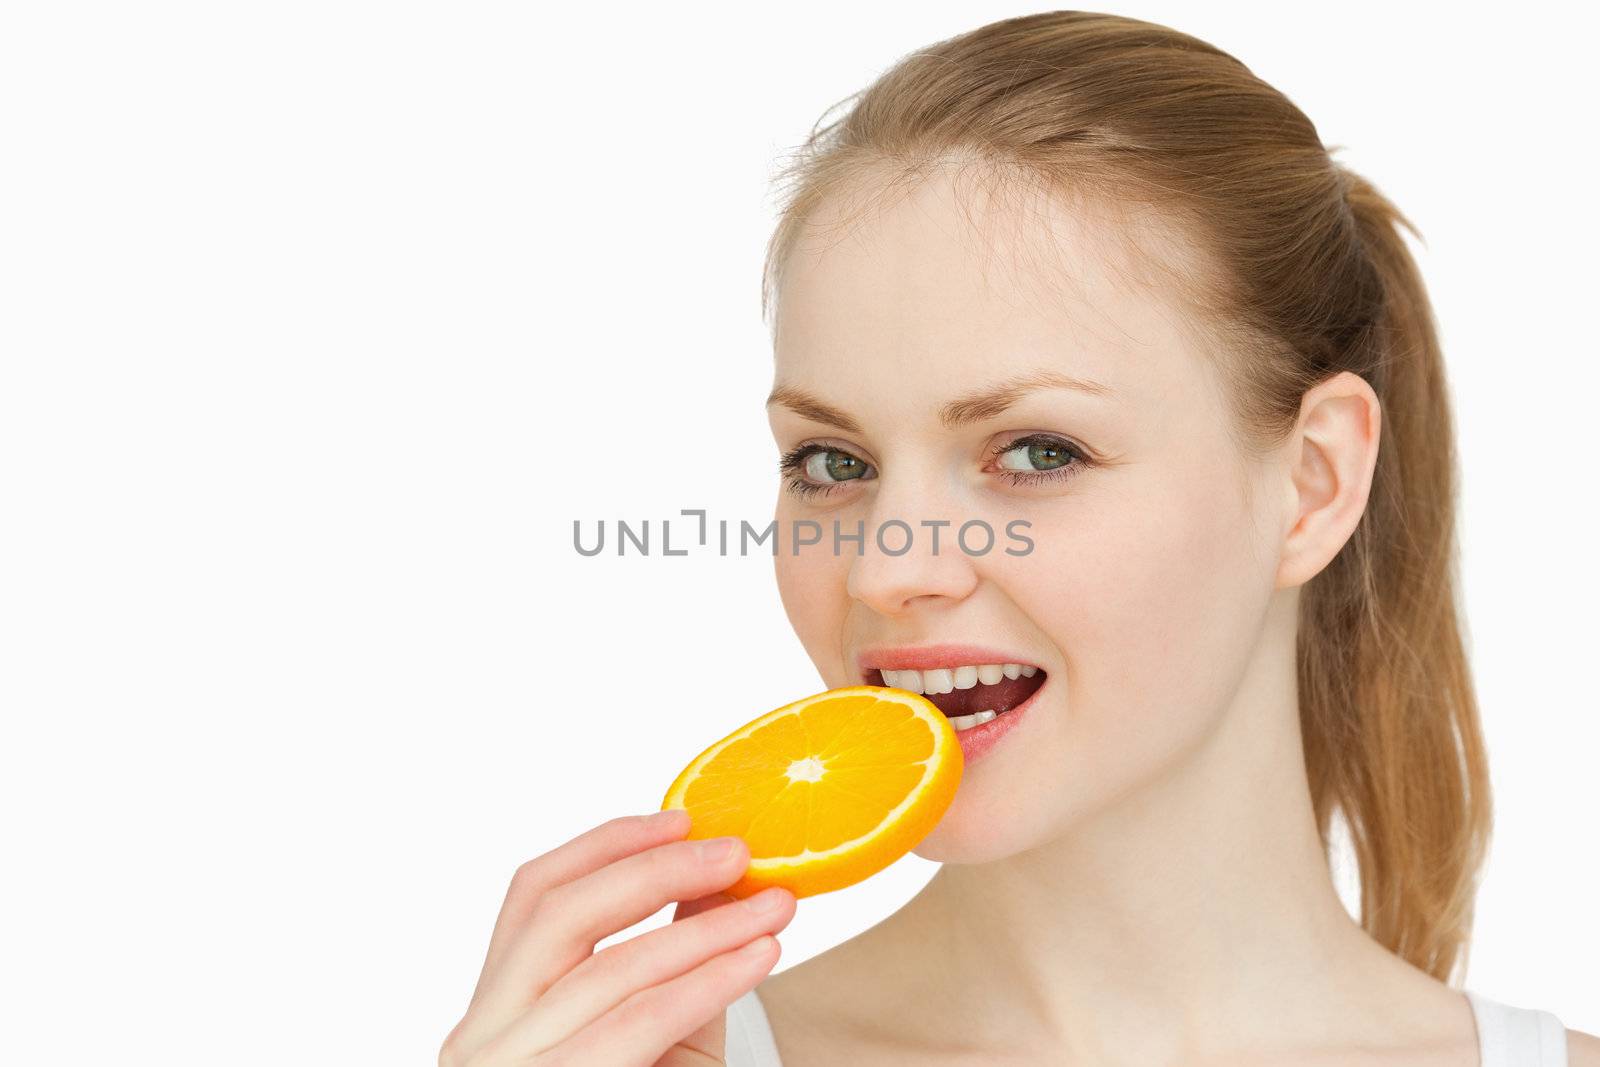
(980, 828)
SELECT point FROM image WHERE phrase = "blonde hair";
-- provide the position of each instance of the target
(1306, 276)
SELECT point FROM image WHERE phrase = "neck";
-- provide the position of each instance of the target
(1192, 914)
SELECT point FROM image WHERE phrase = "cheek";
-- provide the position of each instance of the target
(1151, 594)
(812, 586)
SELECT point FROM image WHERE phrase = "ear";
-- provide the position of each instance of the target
(1333, 452)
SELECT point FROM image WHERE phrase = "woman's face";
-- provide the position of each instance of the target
(919, 352)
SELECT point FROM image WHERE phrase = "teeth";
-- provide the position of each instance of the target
(967, 722)
(908, 680)
(945, 679)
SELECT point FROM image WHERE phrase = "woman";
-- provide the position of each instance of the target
(1089, 273)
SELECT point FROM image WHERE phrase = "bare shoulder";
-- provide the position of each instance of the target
(1583, 1050)
(813, 991)
(829, 1009)
(795, 1002)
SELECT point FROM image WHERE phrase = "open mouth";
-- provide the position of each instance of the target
(970, 694)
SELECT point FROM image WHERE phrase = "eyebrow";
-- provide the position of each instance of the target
(976, 407)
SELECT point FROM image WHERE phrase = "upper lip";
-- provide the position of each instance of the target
(932, 657)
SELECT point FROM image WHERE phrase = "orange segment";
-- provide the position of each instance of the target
(826, 791)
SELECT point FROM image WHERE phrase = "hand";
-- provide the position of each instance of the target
(546, 998)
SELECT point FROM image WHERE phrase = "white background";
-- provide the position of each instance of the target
(321, 322)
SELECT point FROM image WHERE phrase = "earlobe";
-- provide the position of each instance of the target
(1333, 452)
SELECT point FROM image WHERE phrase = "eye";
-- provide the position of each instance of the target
(818, 468)
(1038, 458)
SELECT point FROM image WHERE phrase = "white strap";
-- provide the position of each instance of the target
(750, 1041)
(1517, 1037)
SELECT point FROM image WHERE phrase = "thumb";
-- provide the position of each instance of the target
(708, 1044)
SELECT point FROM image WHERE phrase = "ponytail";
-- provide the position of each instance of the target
(1387, 704)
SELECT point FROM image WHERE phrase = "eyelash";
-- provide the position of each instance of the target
(792, 463)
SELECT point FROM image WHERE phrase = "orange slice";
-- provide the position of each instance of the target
(826, 791)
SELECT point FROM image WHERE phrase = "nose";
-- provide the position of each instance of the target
(909, 561)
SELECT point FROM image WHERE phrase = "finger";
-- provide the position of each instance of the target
(689, 908)
(609, 977)
(589, 851)
(638, 1031)
(570, 919)
(709, 1043)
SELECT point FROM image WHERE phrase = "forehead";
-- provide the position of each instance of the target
(960, 277)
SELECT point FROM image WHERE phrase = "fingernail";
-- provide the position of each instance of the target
(718, 848)
(766, 900)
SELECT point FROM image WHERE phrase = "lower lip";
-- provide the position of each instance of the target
(978, 740)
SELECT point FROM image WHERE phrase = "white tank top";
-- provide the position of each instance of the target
(750, 1041)
(1507, 1036)
(1516, 1037)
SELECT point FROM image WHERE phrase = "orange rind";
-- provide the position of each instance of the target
(826, 791)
